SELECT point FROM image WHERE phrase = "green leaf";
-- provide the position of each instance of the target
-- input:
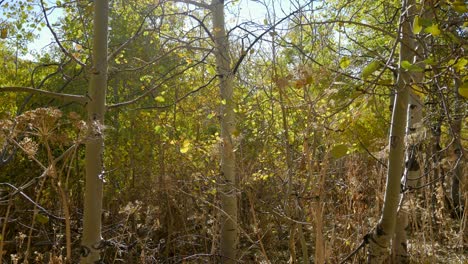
(345, 62)
(158, 129)
(460, 65)
(339, 151)
(159, 99)
(459, 6)
(370, 68)
(430, 61)
(411, 67)
(406, 64)
(433, 30)
(211, 115)
(417, 27)
(43, 219)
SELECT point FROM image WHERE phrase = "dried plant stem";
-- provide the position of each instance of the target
(66, 212)
(35, 211)
(5, 223)
(255, 222)
(305, 251)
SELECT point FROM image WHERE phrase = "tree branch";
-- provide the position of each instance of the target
(132, 38)
(154, 88)
(64, 50)
(65, 97)
(242, 57)
(192, 2)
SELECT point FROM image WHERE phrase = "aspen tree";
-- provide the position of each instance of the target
(229, 225)
(92, 240)
(380, 239)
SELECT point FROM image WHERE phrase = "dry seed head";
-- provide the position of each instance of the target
(29, 146)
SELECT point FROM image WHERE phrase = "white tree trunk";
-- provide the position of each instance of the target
(91, 240)
(379, 241)
(412, 167)
(229, 228)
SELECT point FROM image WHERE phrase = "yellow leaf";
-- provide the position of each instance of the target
(185, 146)
(4, 33)
(339, 151)
(463, 90)
(159, 99)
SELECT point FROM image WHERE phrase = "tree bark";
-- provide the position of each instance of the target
(412, 171)
(379, 241)
(92, 240)
(229, 227)
(457, 175)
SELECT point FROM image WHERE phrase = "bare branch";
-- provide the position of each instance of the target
(128, 41)
(242, 57)
(178, 100)
(64, 50)
(17, 190)
(192, 2)
(65, 97)
(154, 88)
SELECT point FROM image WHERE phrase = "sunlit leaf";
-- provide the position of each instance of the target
(158, 129)
(433, 30)
(411, 67)
(159, 99)
(406, 64)
(340, 83)
(185, 146)
(369, 69)
(417, 27)
(345, 62)
(461, 64)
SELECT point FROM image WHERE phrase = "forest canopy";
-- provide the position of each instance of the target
(244, 131)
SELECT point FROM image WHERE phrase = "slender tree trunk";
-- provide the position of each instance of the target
(457, 175)
(412, 171)
(380, 239)
(91, 240)
(229, 228)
